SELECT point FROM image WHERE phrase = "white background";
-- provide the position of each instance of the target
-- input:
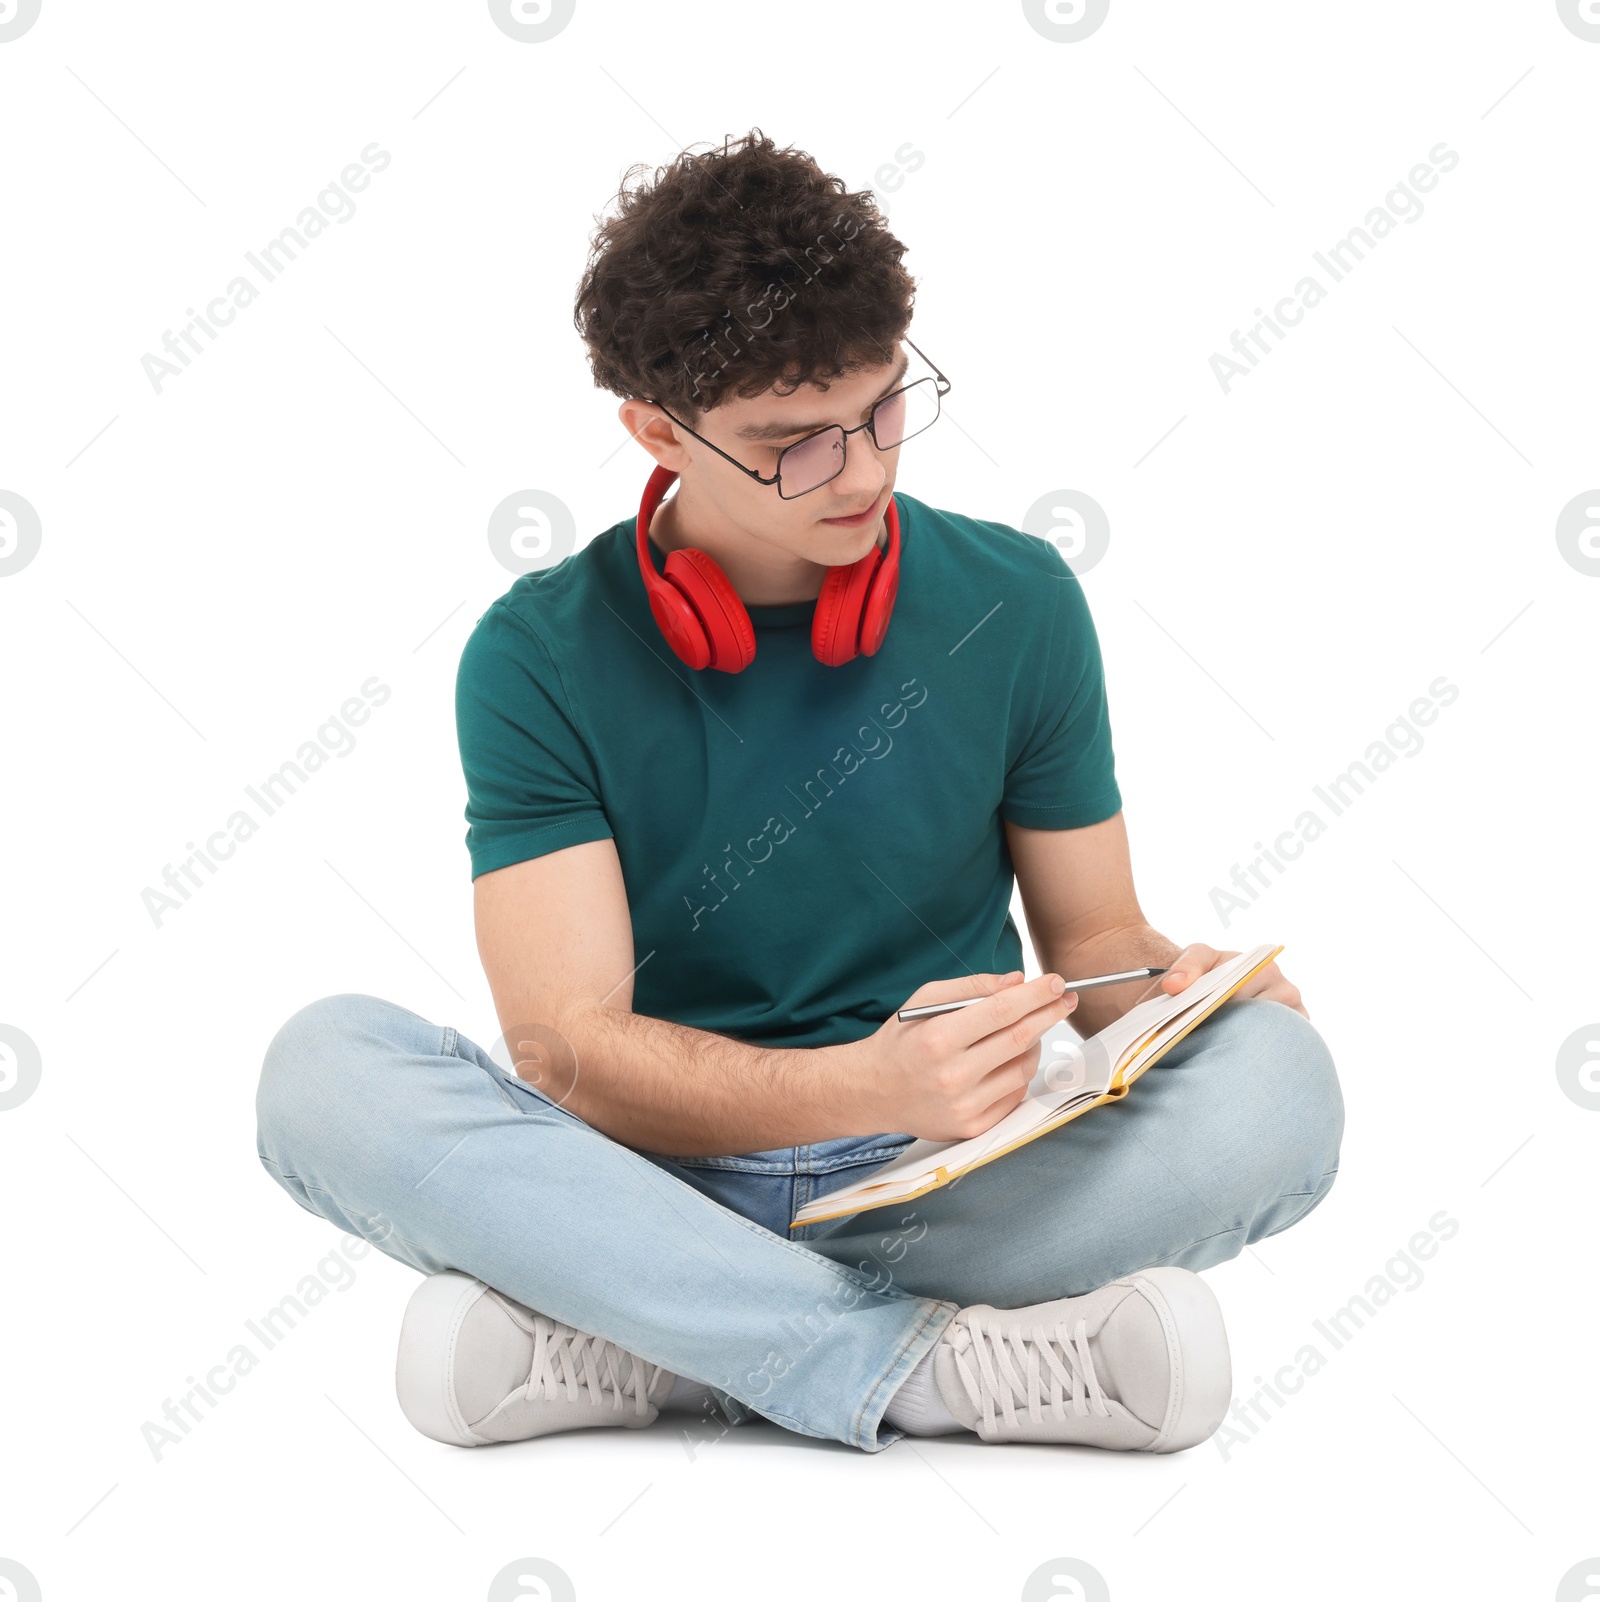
(223, 563)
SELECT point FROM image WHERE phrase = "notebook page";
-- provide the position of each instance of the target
(883, 1187)
(1127, 1036)
(923, 1158)
(1197, 999)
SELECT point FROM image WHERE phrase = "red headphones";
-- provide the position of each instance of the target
(705, 622)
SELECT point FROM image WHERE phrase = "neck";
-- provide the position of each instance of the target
(762, 573)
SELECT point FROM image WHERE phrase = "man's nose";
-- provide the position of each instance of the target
(865, 469)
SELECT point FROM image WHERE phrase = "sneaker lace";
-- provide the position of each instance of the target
(569, 1365)
(1027, 1365)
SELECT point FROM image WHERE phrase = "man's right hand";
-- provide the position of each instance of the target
(956, 1074)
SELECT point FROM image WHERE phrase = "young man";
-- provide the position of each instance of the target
(746, 774)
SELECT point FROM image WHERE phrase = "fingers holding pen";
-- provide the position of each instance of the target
(1013, 1017)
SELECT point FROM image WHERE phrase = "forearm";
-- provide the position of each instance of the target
(1134, 945)
(681, 1092)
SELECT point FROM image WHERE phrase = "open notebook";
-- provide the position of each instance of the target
(1096, 1071)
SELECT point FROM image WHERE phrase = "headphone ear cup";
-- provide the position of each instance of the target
(680, 625)
(880, 603)
(836, 623)
(724, 625)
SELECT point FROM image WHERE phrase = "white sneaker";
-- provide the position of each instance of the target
(475, 1367)
(1140, 1365)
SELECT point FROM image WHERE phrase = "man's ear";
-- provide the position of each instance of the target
(656, 432)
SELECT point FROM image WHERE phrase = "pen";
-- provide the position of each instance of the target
(906, 1014)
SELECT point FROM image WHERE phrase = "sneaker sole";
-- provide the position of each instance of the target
(1202, 1368)
(428, 1332)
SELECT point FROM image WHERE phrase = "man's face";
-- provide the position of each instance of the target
(816, 526)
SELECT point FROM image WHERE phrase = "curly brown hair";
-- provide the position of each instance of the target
(738, 270)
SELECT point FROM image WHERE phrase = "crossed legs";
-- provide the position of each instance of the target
(405, 1133)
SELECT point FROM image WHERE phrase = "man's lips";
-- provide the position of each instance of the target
(858, 520)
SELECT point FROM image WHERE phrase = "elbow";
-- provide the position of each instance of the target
(549, 1056)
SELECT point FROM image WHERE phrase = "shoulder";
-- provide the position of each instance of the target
(993, 564)
(985, 545)
(986, 556)
(531, 623)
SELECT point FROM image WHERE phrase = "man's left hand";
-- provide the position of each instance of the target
(1270, 983)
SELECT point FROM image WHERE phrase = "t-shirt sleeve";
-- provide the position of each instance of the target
(1064, 776)
(532, 786)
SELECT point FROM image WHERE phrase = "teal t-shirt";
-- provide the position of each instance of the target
(802, 845)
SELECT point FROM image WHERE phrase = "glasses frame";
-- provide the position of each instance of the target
(942, 389)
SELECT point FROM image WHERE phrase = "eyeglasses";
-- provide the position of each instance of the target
(819, 458)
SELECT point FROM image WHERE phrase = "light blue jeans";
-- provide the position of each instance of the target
(407, 1134)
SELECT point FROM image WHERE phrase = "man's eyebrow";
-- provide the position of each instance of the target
(770, 431)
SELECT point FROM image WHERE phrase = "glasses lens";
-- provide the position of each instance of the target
(811, 463)
(897, 417)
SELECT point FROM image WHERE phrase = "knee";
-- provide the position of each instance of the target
(312, 1061)
(1284, 1090)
